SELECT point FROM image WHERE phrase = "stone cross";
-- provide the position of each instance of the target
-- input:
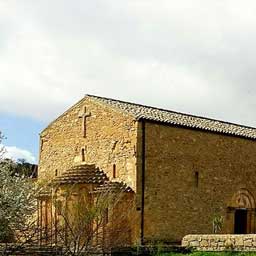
(84, 114)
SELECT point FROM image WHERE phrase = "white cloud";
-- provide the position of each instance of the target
(16, 153)
(191, 56)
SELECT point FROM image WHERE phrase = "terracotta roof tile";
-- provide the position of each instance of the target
(140, 112)
(87, 174)
(110, 186)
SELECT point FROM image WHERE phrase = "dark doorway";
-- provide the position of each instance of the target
(241, 221)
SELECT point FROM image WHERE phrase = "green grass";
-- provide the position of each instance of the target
(210, 254)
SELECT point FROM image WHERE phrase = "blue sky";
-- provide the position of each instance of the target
(22, 133)
(195, 57)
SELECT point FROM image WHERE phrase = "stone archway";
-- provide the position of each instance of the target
(241, 213)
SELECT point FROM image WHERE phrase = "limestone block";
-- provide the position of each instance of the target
(229, 243)
(222, 238)
(248, 243)
(194, 243)
(222, 242)
(239, 241)
(185, 243)
(204, 243)
(214, 244)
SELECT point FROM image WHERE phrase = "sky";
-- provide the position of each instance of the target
(192, 56)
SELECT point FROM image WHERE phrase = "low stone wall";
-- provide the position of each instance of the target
(220, 242)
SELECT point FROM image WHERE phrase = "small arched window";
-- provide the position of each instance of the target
(114, 171)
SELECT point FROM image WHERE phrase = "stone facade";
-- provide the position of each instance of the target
(110, 140)
(220, 242)
(183, 177)
(106, 139)
(192, 176)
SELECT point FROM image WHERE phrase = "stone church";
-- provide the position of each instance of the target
(182, 171)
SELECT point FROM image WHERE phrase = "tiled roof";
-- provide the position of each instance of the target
(140, 112)
(89, 174)
(86, 174)
(111, 186)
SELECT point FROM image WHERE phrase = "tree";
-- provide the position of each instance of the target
(18, 197)
(87, 216)
(2, 150)
(91, 220)
(17, 200)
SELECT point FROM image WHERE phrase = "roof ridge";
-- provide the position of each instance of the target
(172, 111)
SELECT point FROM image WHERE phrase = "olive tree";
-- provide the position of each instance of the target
(18, 197)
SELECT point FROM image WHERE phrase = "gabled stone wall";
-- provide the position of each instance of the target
(110, 140)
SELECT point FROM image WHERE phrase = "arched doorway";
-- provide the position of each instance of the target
(241, 213)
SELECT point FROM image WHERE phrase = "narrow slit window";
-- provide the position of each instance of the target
(83, 154)
(114, 171)
(56, 172)
(196, 179)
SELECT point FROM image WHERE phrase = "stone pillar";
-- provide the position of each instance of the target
(230, 221)
(251, 213)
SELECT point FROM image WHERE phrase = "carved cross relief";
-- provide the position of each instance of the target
(84, 114)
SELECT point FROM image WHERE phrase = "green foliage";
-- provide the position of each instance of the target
(21, 167)
(6, 234)
(2, 150)
(17, 199)
(217, 224)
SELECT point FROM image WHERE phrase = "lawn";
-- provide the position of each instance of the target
(210, 254)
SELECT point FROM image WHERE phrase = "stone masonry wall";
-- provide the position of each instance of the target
(220, 242)
(190, 177)
(110, 139)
